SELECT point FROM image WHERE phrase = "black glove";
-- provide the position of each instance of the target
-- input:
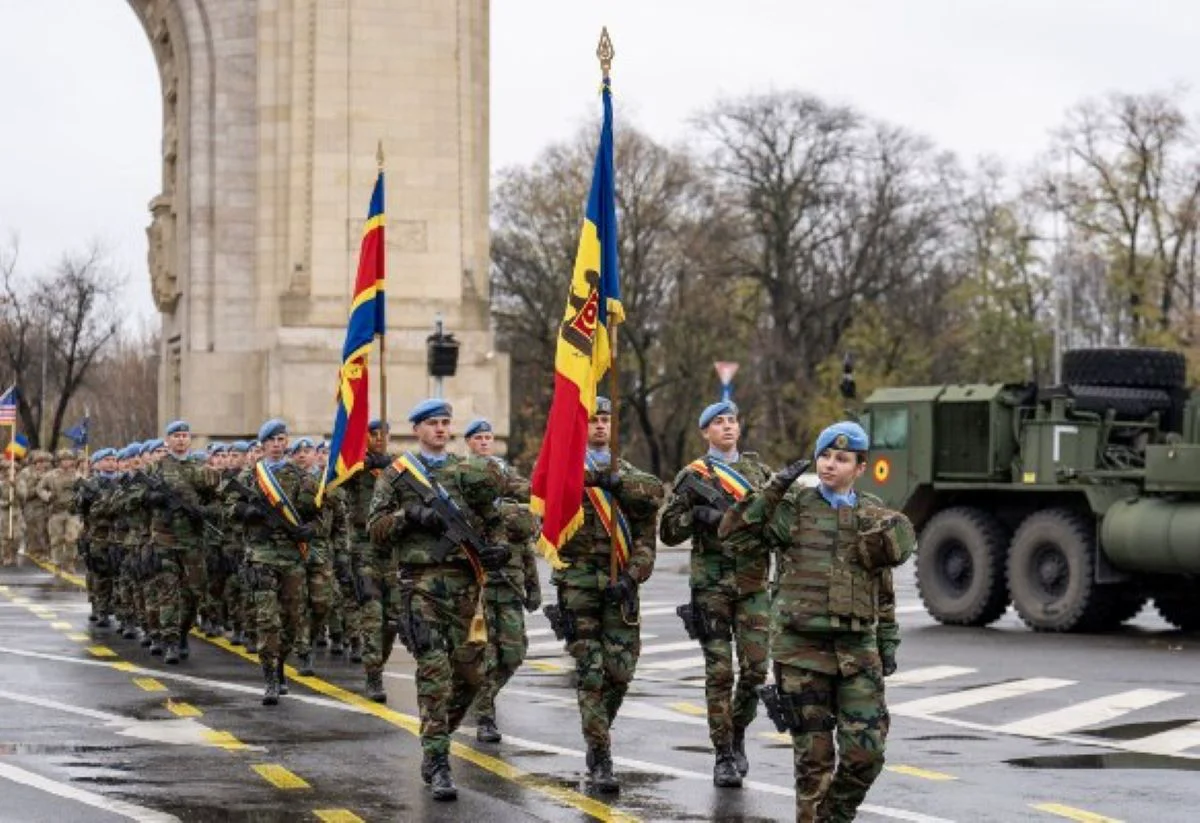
(376, 460)
(494, 558)
(624, 589)
(706, 515)
(248, 512)
(783, 479)
(889, 664)
(305, 532)
(533, 596)
(609, 481)
(156, 499)
(423, 516)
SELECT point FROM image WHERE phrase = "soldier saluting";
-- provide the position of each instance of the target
(831, 545)
(729, 593)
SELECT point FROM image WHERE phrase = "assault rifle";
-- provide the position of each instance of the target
(692, 484)
(457, 531)
(298, 534)
(174, 502)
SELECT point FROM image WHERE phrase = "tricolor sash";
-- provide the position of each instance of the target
(268, 486)
(408, 462)
(731, 482)
(602, 501)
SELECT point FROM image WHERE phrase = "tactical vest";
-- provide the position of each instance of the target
(819, 581)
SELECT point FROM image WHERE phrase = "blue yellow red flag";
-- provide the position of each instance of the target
(348, 444)
(17, 448)
(269, 488)
(729, 478)
(583, 355)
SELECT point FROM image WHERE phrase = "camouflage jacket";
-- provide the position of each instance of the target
(823, 580)
(333, 527)
(8, 493)
(713, 561)
(57, 488)
(100, 516)
(192, 485)
(27, 483)
(517, 532)
(266, 541)
(358, 491)
(639, 496)
(473, 486)
(133, 514)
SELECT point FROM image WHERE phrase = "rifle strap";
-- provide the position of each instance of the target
(408, 464)
(270, 488)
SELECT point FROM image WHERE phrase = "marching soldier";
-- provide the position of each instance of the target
(179, 487)
(600, 616)
(57, 488)
(33, 505)
(124, 536)
(831, 545)
(277, 503)
(10, 532)
(96, 507)
(429, 508)
(239, 608)
(318, 568)
(146, 597)
(729, 593)
(508, 589)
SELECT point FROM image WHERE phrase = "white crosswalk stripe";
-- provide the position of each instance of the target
(673, 665)
(1089, 712)
(559, 646)
(667, 648)
(1175, 741)
(967, 698)
(927, 674)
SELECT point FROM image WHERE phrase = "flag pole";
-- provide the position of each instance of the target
(605, 54)
(383, 394)
(12, 476)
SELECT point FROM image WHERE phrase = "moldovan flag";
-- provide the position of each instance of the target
(348, 445)
(582, 357)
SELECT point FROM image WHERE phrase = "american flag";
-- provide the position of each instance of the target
(8, 407)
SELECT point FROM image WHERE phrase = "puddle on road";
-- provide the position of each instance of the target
(41, 748)
(696, 749)
(1115, 760)
(928, 737)
(1132, 731)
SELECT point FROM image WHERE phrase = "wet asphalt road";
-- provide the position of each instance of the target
(995, 724)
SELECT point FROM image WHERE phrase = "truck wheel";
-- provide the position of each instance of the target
(1181, 612)
(960, 567)
(1051, 572)
(1135, 367)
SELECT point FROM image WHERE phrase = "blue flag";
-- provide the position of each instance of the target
(78, 434)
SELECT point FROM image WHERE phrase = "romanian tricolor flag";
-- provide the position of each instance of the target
(16, 449)
(348, 446)
(582, 357)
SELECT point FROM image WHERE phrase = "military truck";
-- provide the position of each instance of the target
(1076, 503)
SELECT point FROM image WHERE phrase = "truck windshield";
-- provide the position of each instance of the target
(888, 428)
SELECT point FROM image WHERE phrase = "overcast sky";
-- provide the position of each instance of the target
(80, 125)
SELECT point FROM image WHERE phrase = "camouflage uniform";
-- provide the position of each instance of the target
(365, 575)
(125, 552)
(274, 569)
(438, 594)
(237, 606)
(730, 590)
(176, 557)
(332, 536)
(9, 544)
(33, 506)
(605, 648)
(824, 612)
(57, 488)
(100, 516)
(507, 592)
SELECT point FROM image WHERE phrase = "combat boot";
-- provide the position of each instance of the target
(238, 638)
(486, 731)
(103, 622)
(93, 617)
(441, 780)
(600, 774)
(375, 689)
(251, 644)
(171, 655)
(214, 630)
(283, 684)
(271, 676)
(185, 651)
(725, 773)
(335, 646)
(427, 767)
(355, 650)
(306, 665)
(130, 632)
(739, 752)
(147, 641)
(323, 639)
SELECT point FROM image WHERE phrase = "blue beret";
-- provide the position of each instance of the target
(271, 428)
(433, 407)
(100, 454)
(302, 443)
(716, 410)
(239, 446)
(377, 424)
(847, 436)
(152, 445)
(129, 452)
(479, 424)
(603, 405)
(199, 455)
(217, 447)
(323, 446)
(176, 426)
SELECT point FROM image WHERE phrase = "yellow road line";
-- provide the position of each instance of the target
(926, 774)
(337, 816)
(4, 589)
(70, 578)
(543, 666)
(181, 709)
(224, 740)
(62, 626)
(123, 666)
(778, 737)
(568, 797)
(101, 651)
(1071, 813)
(149, 684)
(78, 637)
(688, 708)
(21, 601)
(279, 777)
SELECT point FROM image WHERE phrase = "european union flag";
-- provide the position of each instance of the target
(78, 434)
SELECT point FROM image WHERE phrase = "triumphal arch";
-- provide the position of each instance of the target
(272, 113)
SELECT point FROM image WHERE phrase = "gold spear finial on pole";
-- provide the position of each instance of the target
(605, 51)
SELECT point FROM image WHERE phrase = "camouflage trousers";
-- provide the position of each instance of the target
(605, 649)
(345, 614)
(144, 577)
(101, 579)
(439, 602)
(378, 613)
(9, 545)
(832, 779)
(236, 604)
(37, 538)
(177, 589)
(126, 589)
(278, 592)
(219, 572)
(319, 587)
(63, 530)
(744, 621)
(506, 644)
